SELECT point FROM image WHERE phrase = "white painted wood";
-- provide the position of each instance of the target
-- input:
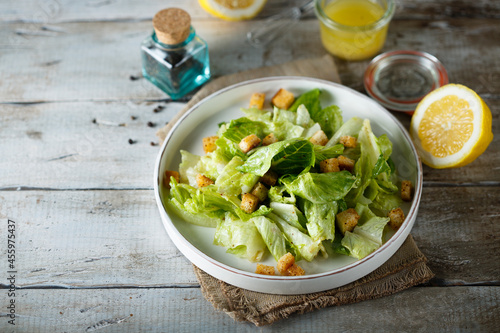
(115, 238)
(92, 225)
(93, 61)
(41, 141)
(38, 141)
(55, 11)
(469, 309)
(92, 239)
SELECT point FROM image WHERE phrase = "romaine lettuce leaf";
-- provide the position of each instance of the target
(350, 127)
(323, 153)
(234, 132)
(279, 194)
(290, 213)
(208, 202)
(320, 219)
(358, 246)
(320, 187)
(257, 114)
(303, 117)
(187, 172)
(285, 157)
(240, 238)
(232, 182)
(301, 242)
(310, 100)
(370, 225)
(272, 236)
(330, 119)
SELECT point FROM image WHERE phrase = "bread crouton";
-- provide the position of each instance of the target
(347, 220)
(264, 269)
(345, 163)
(249, 142)
(203, 181)
(257, 100)
(283, 99)
(295, 270)
(329, 165)
(260, 191)
(397, 217)
(209, 143)
(270, 178)
(406, 190)
(348, 141)
(249, 203)
(319, 138)
(166, 177)
(269, 139)
(285, 262)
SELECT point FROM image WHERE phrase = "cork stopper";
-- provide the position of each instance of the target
(172, 25)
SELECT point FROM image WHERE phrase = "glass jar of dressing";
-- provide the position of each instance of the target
(174, 58)
(354, 29)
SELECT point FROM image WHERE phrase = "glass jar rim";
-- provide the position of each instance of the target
(388, 14)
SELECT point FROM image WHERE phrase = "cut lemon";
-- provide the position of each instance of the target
(233, 10)
(451, 127)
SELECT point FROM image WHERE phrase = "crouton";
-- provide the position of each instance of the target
(270, 178)
(345, 163)
(348, 141)
(319, 138)
(406, 190)
(249, 142)
(295, 270)
(209, 143)
(203, 181)
(283, 99)
(249, 203)
(285, 262)
(397, 217)
(166, 177)
(347, 220)
(329, 165)
(264, 269)
(260, 191)
(269, 139)
(257, 100)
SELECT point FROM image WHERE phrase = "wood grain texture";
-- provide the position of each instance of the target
(40, 140)
(116, 238)
(56, 11)
(464, 309)
(83, 143)
(92, 252)
(98, 67)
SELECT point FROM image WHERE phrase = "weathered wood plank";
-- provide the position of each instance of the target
(116, 238)
(40, 140)
(54, 11)
(460, 309)
(98, 67)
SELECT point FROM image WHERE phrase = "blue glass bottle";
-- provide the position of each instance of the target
(174, 58)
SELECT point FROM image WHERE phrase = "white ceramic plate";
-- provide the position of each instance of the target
(323, 273)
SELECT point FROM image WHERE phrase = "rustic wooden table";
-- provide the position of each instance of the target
(91, 253)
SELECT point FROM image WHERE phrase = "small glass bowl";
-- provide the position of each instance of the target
(400, 79)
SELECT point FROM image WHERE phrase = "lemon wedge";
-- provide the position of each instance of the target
(233, 10)
(451, 127)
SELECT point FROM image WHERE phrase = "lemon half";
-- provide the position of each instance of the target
(451, 127)
(233, 10)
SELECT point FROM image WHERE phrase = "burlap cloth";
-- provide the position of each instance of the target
(406, 268)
